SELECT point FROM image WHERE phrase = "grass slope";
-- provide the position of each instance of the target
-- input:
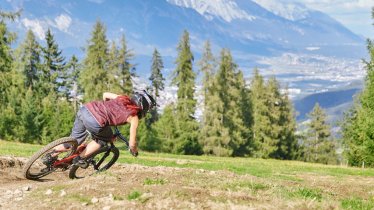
(291, 183)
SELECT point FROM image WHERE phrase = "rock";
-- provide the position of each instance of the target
(17, 192)
(106, 207)
(63, 193)
(111, 198)
(18, 199)
(212, 172)
(49, 191)
(8, 194)
(94, 200)
(84, 204)
(27, 188)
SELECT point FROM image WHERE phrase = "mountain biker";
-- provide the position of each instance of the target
(97, 117)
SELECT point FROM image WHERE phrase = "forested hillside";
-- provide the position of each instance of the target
(41, 90)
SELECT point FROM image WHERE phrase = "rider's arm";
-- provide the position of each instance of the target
(108, 96)
(134, 121)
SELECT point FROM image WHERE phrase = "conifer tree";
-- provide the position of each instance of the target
(6, 39)
(157, 82)
(73, 90)
(165, 130)
(126, 70)
(94, 77)
(229, 87)
(318, 146)
(358, 135)
(113, 68)
(184, 79)
(214, 136)
(207, 66)
(212, 129)
(7, 104)
(282, 126)
(28, 61)
(31, 118)
(261, 121)
(288, 147)
(53, 75)
(245, 106)
(156, 78)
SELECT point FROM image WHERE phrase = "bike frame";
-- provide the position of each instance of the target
(68, 160)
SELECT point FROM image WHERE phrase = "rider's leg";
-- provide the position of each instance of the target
(92, 147)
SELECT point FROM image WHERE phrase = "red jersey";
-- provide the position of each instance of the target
(112, 112)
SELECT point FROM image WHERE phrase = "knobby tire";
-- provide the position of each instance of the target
(36, 156)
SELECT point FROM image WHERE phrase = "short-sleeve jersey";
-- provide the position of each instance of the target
(112, 112)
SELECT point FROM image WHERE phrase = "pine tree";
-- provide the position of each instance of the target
(28, 61)
(283, 125)
(212, 129)
(245, 110)
(127, 69)
(165, 130)
(229, 87)
(319, 146)
(53, 75)
(184, 79)
(207, 66)
(358, 135)
(214, 136)
(6, 109)
(157, 82)
(94, 77)
(73, 90)
(31, 118)
(113, 68)
(261, 121)
(156, 78)
(288, 147)
(6, 39)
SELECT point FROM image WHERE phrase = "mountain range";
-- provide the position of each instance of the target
(307, 50)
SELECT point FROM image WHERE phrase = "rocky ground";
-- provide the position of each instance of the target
(122, 187)
(131, 186)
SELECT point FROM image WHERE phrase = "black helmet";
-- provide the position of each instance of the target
(144, 101)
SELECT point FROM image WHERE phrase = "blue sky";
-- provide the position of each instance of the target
(354, 14)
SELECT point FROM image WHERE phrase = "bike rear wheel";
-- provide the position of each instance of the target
(36, 169)
(99, 161)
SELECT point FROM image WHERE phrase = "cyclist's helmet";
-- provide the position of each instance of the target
(144, 101)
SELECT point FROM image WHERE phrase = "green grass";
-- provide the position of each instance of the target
(18, 149)
(252, 186)
(149, 181)
(80, 198)
(287, 180)
(357, 203)
(134, 195)
(265, 168)
(308, 193)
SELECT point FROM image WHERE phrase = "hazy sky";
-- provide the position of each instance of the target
(354, 14)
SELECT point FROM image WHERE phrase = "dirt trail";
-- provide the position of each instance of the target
(123, 186)
(131, 186)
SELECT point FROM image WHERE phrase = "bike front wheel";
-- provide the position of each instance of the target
(99, 161)
(39, 166)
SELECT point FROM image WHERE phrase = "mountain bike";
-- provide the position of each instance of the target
(99, 161)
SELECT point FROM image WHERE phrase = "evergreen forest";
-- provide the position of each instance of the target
(41, 91)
